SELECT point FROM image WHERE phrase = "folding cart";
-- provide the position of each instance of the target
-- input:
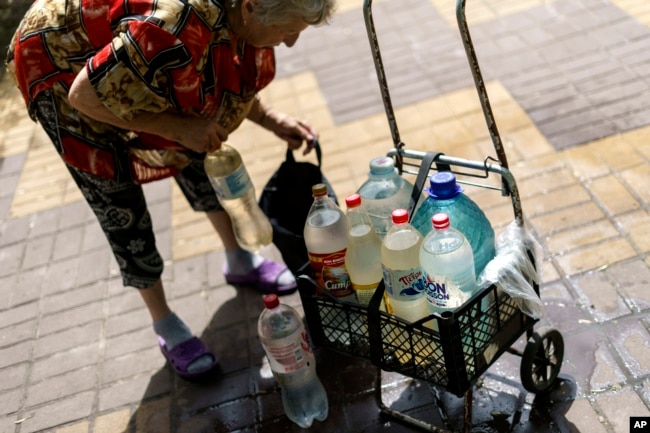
(469, 340)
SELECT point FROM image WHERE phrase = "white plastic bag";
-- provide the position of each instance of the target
(513, 270)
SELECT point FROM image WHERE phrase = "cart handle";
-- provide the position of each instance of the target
(442, 160)
(476, 74)
(383, 84)
(480, 87)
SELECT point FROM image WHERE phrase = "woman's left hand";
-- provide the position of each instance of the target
(290, 129)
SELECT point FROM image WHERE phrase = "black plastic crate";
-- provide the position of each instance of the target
(451, 350)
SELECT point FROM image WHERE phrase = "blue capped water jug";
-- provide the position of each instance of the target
(445, 195)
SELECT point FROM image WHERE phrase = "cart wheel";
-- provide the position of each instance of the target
(542, 359)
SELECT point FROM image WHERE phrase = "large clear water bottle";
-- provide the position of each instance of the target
(402, 272)
(383, 192)
(363, 256)
(445, 195)
(286, 343)
(448, 266)
(326, 239)
(236, 193)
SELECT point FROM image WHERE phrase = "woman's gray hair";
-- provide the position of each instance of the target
(313, 12)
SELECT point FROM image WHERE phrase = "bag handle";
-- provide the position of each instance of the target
(316, 145)
(423, 175)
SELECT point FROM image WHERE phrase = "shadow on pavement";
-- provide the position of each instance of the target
(231, 398)
(242, 395)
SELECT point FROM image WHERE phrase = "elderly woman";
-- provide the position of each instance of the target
(134, 91)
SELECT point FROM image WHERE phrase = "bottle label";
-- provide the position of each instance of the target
(232, 186)
(329, 270)
(364, 292)
(289, 354)
(437, 293)
(403, 283)
(442, 292)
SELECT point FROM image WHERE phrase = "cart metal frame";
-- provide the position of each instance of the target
(465, 343)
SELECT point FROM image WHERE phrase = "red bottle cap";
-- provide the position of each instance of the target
(353, 200)
(271, 300)
(440, 221)
(400, 216)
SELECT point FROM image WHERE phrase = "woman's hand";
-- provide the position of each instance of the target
(290, 129)
(195, 133)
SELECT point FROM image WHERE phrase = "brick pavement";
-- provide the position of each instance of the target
(568, 82)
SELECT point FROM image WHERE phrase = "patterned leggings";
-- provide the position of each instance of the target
(121, 208)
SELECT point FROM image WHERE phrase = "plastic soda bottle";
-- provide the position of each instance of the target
(400, 262)
(326, 239)
(384, 191)
(448, 266)
(363, 256)
(445, 195)
(236, 193)
(286, 343)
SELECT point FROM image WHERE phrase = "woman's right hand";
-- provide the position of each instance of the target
(198, 134)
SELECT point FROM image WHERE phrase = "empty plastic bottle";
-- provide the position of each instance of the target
(236, 193)
(445, 195)
(286, 343)
(383, 192)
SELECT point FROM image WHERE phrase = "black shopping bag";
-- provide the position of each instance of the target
(286, 200)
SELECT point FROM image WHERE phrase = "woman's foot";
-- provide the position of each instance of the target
(187, 354)
(268, 276)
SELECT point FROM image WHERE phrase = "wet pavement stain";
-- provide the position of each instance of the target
(502, 406)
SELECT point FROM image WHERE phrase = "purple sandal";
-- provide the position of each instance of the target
(265, 278)
(181, 356)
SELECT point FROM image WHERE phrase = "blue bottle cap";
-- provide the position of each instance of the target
(443, 186)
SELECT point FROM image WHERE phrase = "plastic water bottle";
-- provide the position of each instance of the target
(448, 265)
(286, 343)
(326, 239)
(403, 276)
(445, 195)
(384, 191)
(236, 193)
(363, 256)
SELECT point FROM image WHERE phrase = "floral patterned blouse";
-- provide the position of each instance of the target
(142, 56)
